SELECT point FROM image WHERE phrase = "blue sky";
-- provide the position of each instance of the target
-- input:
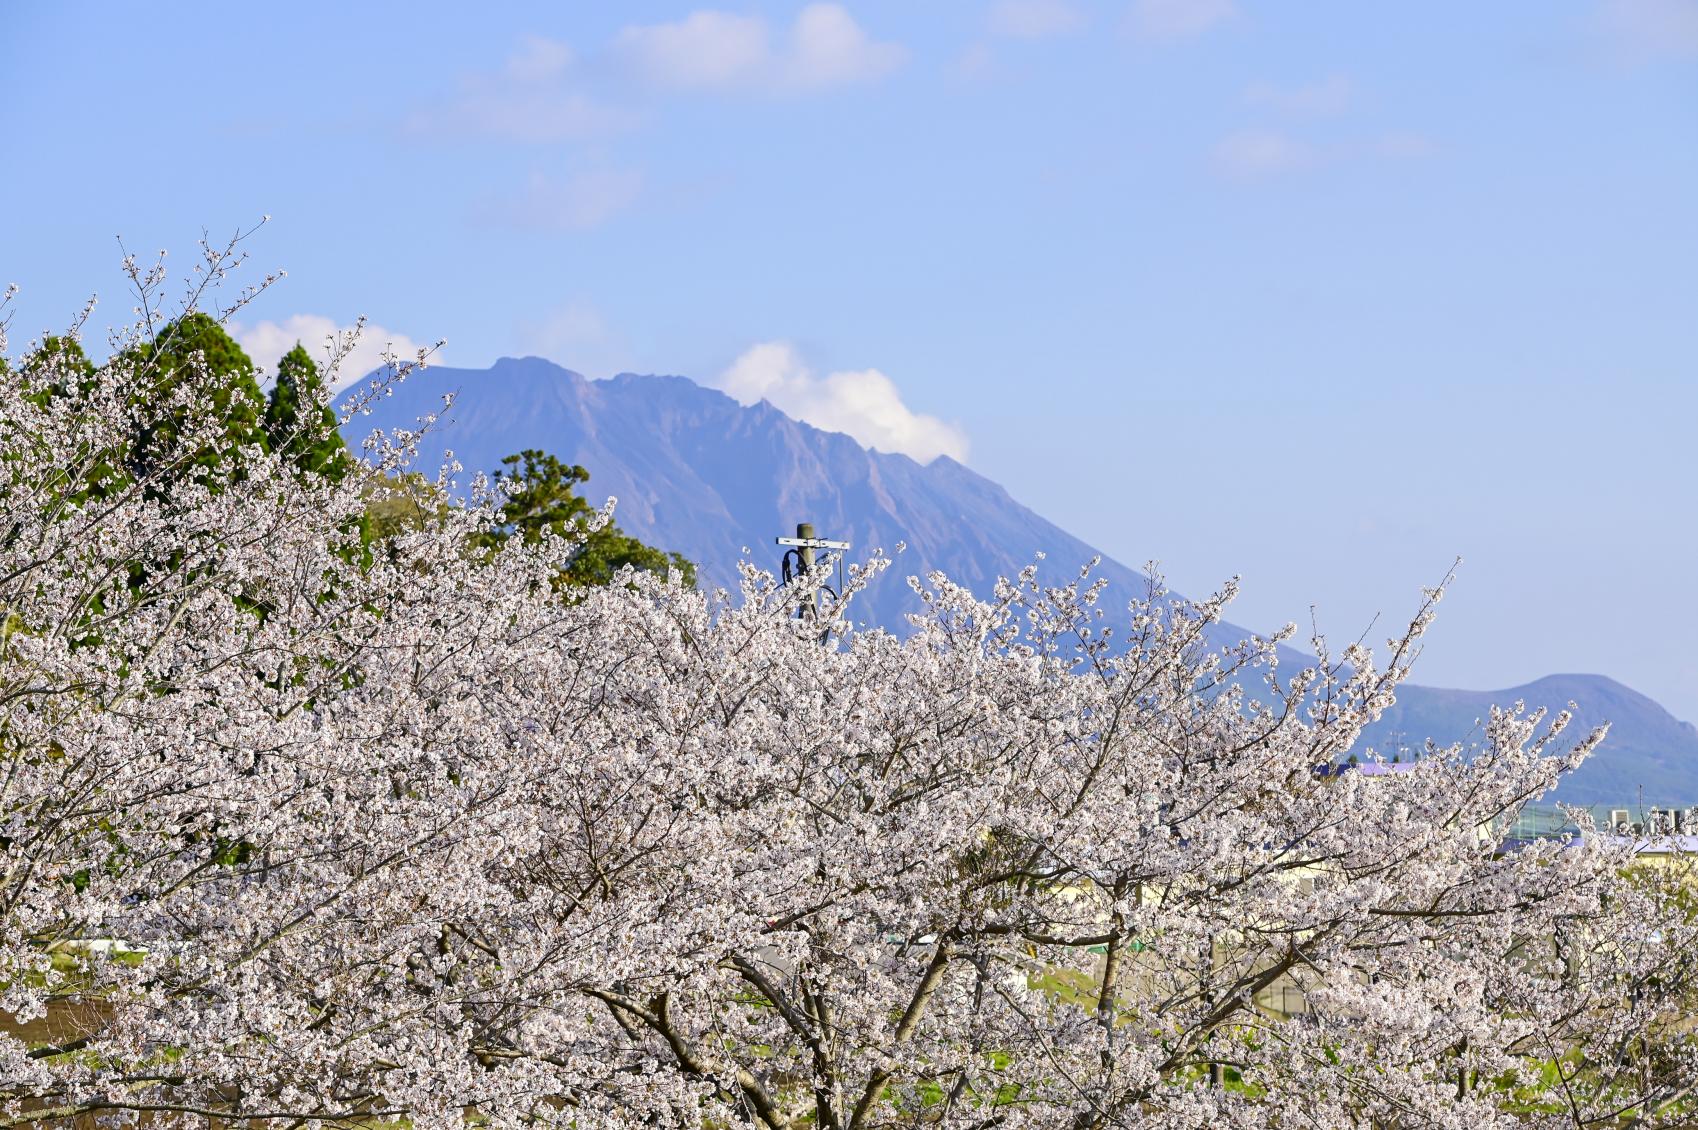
(1324, 294)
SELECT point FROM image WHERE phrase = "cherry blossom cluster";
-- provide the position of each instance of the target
(302, 823)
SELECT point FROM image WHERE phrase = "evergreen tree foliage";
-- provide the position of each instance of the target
(195, 351)
(59, 370)
(313, 443)
(65, 354)
(541, 499)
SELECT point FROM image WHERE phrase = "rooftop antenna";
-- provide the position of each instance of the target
(799, 561)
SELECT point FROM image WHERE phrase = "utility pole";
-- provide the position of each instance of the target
(801, 553)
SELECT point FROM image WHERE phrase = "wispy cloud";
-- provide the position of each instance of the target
(976, 62)
(267, 342)
(1263, 154)
(544, 93)
(575, 334)
(584, 199)
(531, 98)
(1034, 19)
(725, 51)
(1259, 153)
(1405, 146)
(1331, 95)
(1168, 21)
(865, 404)
(1645, 30)
(540, 59)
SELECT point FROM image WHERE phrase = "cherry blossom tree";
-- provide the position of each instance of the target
(307, 823)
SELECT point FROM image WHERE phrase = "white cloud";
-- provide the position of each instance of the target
(1330, 95)
(1034, 19)
(1166, 21)
(583, 200)
(541, 95)
(705, 49)
(267, 342)
(828, 48)
(1648, 29)
(864, 404)
(712, 50)
(1258, 153)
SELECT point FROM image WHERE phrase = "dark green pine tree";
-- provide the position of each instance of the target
(196, 347)
(541, 499)
(312, 442)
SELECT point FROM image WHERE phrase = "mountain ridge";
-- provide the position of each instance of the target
(1662, 749)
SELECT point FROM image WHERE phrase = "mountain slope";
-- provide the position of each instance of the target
(697, 472)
